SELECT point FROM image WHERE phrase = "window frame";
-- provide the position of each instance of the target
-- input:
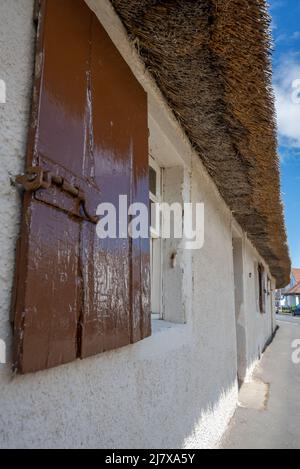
(156, 256)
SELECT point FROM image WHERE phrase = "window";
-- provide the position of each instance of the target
(77, 295)
(171, 278)
(262, 289)
(155, 186)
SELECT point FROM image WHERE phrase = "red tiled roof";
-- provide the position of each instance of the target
(296, 273)
(295, 290)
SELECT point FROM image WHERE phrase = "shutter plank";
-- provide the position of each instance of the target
(46, 324)
(62, 129)
(141, 308)
(49, 285)
(116, 272)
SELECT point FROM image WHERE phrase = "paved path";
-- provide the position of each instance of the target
(269, 412)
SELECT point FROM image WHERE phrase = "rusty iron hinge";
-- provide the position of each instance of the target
(36, 178)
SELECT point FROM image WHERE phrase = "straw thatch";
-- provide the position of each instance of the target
(211, 60)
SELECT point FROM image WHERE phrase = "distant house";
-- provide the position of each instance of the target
(290, 296)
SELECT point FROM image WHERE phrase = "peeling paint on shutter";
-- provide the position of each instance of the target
(77, 295)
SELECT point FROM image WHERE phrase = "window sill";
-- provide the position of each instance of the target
(159, 325)
(166, 338)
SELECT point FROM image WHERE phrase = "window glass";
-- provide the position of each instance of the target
(156, 246)
(153, 181)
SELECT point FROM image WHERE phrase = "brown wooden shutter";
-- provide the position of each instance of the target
(77, 295)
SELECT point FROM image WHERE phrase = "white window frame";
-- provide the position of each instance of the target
(156, 255)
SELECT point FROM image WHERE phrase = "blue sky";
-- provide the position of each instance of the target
(286, 61)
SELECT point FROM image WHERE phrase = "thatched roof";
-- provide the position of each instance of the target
(211, 60)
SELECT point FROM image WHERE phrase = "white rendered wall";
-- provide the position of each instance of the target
(240, 313)
(16, 69)
(179, 387)
(259, 327)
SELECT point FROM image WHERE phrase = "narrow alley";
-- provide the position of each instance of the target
(268, 416)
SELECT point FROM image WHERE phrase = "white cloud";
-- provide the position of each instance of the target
(287, 92)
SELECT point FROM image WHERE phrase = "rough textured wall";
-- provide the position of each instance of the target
(239, 280)
(16, 68)
(166, 391)
(259, 327)
(177, 388)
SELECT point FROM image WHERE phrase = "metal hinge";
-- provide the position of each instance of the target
(36, 178)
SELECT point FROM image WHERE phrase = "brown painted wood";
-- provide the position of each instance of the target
(76, 295)
(113, 268)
